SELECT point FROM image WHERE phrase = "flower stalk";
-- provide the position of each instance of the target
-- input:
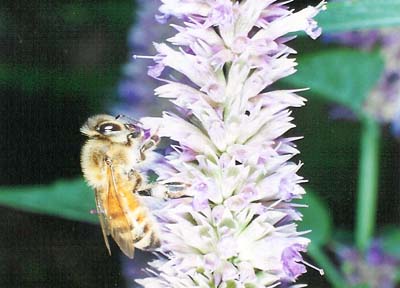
(367, 182)
(333, 276)
(236, 225)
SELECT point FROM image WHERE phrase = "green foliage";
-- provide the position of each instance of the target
(68, 199)
(317, 219)
(368, 174)
(32, 79)
(114, 13)
(391, 241)
(343, 76)
(359, 14)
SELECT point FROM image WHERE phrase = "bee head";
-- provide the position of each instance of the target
(111, 128)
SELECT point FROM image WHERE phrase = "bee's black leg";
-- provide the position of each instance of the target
(146, 192)
(175, 189)
(170, 190)
(148, 145)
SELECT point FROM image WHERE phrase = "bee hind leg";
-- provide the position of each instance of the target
(136, 179)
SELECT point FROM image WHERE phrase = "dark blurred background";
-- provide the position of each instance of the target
(60, 63)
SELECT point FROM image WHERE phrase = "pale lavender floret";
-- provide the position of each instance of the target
(291, 257)
(236, 224)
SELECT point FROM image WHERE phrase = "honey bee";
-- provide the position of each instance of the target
(110, 161)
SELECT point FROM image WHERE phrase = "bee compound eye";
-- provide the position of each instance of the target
(108, 127)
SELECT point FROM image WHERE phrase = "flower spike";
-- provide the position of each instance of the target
(235, 227)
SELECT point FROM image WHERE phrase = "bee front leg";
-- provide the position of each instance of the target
(148, 145)
(108, 161)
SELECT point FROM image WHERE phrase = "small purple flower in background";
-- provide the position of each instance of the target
(374, 267)
(135, 88)
(384, 100)
(235, 227)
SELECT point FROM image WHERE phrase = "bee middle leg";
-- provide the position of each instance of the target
(145, 192)
(175, 189)
(170, 190)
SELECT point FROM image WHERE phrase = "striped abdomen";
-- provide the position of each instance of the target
(129, 222)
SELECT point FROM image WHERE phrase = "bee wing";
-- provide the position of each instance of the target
(103, 221)
(120, 226)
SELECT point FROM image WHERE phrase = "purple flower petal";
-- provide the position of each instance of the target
(235, 223)
(290, 260)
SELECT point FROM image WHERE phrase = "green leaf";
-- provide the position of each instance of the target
(117, 14)
(68, 199)
(343, 76)
(391, 241)
(316, 218)
(359, 14)
(397, 276)
(32, 79)
(331, 272)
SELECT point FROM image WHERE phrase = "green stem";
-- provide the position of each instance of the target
(367, 183)
(331, 273)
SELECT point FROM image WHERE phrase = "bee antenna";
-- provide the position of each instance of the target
(131, 120)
